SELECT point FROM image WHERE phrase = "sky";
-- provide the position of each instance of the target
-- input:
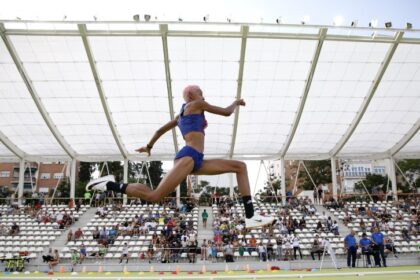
(319, 12)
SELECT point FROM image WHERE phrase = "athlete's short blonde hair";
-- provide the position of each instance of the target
(190, 89)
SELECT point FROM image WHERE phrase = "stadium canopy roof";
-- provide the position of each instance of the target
(96, 91)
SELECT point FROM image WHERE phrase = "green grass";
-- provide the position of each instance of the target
(239, 273)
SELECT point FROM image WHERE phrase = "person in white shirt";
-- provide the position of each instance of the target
(262, 251)
(124, 254)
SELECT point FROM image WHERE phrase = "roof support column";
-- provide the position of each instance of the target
(374, 86)
(244, 31)
(231, 185)
(164, 33)
(392, 175)
(21, 180)
(334, 177)
(125, 179)
(73, 179)
(283, 181)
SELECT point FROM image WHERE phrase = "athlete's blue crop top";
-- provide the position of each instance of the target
(192, 122)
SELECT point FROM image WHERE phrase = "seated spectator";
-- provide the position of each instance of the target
(366, 246)
(334, 228)
(70, 236)
(316, 248)
(319, 227)
(252, 244)
(241, 250)
(389, 246)
(15, 229)
(78, 234)
(405, 235)
(55, 260)
(101, 252)
(49, 257)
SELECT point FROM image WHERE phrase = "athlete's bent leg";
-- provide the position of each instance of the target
(221, 166)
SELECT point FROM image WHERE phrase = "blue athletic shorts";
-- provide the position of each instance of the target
(188, 151)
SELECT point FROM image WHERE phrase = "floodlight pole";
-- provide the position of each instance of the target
(125, 179)
(283, 181)
(393, 177)
(334, 177)
(73, 179)
(21, 180)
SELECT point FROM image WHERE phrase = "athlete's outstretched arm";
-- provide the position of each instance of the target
(227, 111)
(165, 128)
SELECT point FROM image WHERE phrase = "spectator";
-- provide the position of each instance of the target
(334, 228)
(316, 248)
(378, 248)
(279, 249)
(270, 251)
(320, 197)
(55, 260)
(351, 246)
(205, 215)
(204, 250)
(389, 246)
(252, 244)
(124, 254)
(101, 252)
(83, 253)
(319, 227)
(150, 252)
(70, 236)
(296, 247)
(228, 250)
(78, 234)
(87, 197)
(15, 229)
(288, 248)
(366, 245)
(191, 252)
(405, 235)
(262, 252)
(316, 200)
(74, 258)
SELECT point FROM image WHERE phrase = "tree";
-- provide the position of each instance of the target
(320, 171)
(116, 168)
(411, 170)
(374, 183)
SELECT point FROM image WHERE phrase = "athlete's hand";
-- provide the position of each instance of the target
(144, 149)
(240, 102)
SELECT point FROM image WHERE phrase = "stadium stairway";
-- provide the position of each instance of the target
(343, 229)
(60, 242)
(205, 233)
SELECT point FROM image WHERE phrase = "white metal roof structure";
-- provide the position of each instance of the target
(96, 91)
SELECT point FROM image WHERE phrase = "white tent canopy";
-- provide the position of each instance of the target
(95, 91)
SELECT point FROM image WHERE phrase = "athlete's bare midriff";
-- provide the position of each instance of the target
(195, 140)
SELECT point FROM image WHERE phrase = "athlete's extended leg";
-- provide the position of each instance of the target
(220, 166)
(173, 178)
